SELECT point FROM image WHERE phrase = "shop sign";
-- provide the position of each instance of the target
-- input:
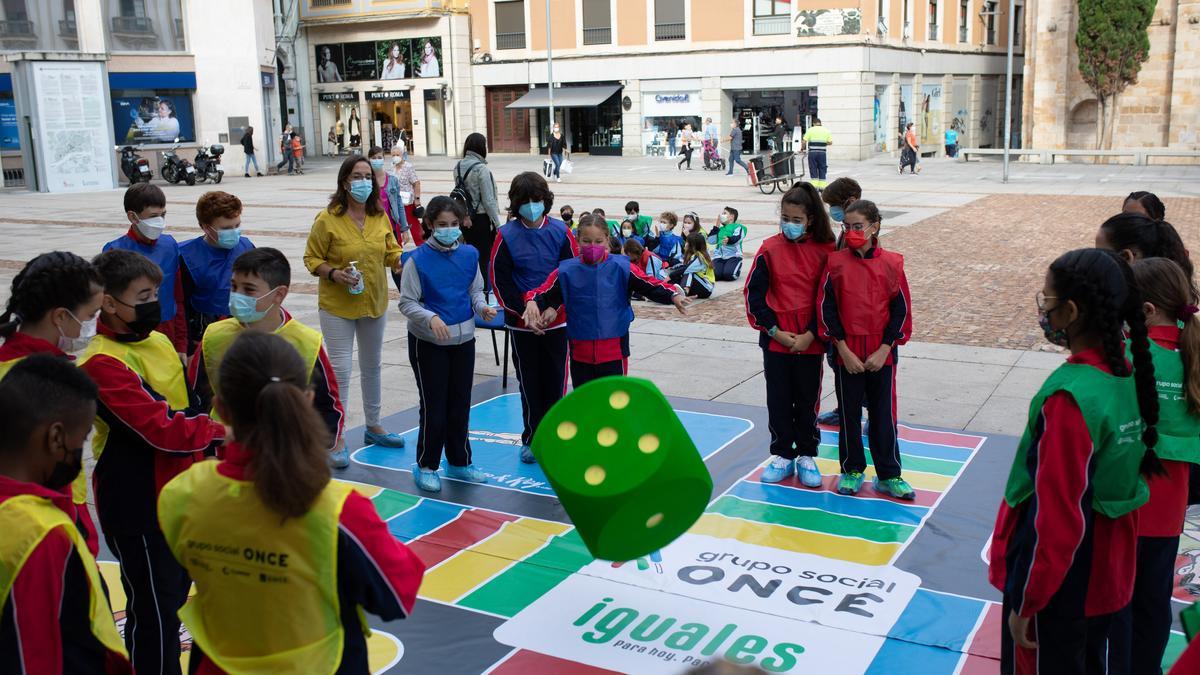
(673, 98)
(671, 104)
(268, 80)
(337, 96)
(387, 95)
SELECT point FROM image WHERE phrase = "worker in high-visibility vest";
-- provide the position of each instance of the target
(54, 613)
(284, 559)
(816, 140)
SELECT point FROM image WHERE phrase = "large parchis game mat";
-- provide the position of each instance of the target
(789, 579)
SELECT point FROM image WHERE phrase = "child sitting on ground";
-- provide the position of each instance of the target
(727, 240)
(663, 241)
(645, 260)
(695, 274)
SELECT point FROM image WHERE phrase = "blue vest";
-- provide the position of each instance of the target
(596, 298)
(446, 278)
(165, 254)
(535, 253)
(670, 245)
(211, 269)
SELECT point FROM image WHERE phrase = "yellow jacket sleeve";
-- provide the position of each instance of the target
(317, 247)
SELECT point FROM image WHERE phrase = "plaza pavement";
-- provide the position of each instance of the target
(952, 375)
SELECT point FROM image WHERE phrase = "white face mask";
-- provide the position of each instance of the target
(87, 331)
(663, 227)
(724, 218)
(396, 160)
(152, 228)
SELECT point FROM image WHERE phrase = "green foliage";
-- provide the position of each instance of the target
(1113, 43)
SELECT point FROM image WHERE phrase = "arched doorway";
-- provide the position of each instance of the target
(1081, 127)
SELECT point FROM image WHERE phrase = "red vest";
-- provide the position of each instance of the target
(864, 288)
(795, 269)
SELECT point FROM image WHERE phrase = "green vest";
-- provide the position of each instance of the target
(1178, 429)
(1110, 410)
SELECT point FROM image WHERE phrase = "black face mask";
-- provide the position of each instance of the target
(65, 470)
(147, 316)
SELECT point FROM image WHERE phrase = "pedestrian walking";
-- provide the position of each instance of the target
(685, 147)
(285, 144)
(248, 148)
(951, 143)
(557, 147)
(735, 148)
(910, 156)
(672, 132)
(816, 139)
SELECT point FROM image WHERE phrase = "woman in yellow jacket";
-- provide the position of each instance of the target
(284, 559)
(350, 248)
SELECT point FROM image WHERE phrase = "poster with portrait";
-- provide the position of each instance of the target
(426, 60)
(330, 63)
(393, 57)
(360, 62)
(148, 116)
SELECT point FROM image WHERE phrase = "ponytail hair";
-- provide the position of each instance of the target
(51, 280)
(1148, 238)
(1149, 201)
(1164, 285)
(263, 385)
(1101, 284)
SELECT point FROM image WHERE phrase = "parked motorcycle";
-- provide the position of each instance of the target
(176, 168)
(135, 167)
(208, 163)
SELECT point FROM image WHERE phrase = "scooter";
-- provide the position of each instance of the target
(208, 163)
(135, 167)
(175, 168)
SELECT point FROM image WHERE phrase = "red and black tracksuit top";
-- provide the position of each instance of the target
(1054, 549)
(863, 300)
(18, 346)
(148, 444)
(781, 289)
(45, 624)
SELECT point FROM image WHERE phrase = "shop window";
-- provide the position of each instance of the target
(933, 20)
(597, 22)
(964, 11)
(669, 20)
(146, 25)
(772, 17)
(510, 24)
(152, 116)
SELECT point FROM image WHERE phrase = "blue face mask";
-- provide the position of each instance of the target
(360, 189)
(376, 164)
(229, 238)
(446, 236)
(792, 231)
(532, 211)
(837, 213)
(245, 308)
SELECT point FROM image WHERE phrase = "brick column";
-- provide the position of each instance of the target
(975, 103)
(1183, 128)
(631, 120)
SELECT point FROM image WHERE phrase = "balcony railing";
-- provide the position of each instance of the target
(141, 25)
(597, 36)
(772, 25)
(16, 29)
(962, 33)
(67, 29)
(670, 31)
(510, 40)
(933, 31)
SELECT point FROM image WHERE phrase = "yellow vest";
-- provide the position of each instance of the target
(220, 335)
(79, 485)
(25, 521)
(266, 588)
(154, 360)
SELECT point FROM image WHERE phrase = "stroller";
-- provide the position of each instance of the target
(712, 157)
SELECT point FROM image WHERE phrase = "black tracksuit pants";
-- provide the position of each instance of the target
(879, 391)
(541, 365)
(1140, 631)
(793, 398)
(156, 586)
(582, 373)
(444, 375)
(1066, 644)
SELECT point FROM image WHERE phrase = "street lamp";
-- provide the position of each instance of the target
(1008, 81)
(549, 65)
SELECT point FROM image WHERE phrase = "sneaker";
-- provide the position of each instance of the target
(778, 469)
(385, 439)
(850, 483)
(259, 174)
(832, 418)
(557, 180)
(527, 455)
(427, 480)
(340, 459)
(469, 473)
(895, 487)
(810, 475)
(247, 175)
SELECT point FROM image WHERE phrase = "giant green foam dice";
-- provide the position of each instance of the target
(623, 466)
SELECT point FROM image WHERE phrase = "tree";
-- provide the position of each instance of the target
(1113, 44)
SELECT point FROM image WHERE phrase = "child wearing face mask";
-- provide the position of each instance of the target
(727, 240)
(838, 195)
(262, 279)
(441, 295)
(53, 309)
(864, 310)
(1064, 547)
(567, 215)
(644, 259)
(206, 262)
(528, 248)
(781, 303)
(146, 210)
(663, 241)
(695, 274)
(691, 223)
(629, 232)
(594, 291)
(54, 612)
(641, 224)
(149, 429)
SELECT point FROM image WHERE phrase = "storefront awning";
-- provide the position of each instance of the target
(5, 83)
(566, 97)
(171, 80)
